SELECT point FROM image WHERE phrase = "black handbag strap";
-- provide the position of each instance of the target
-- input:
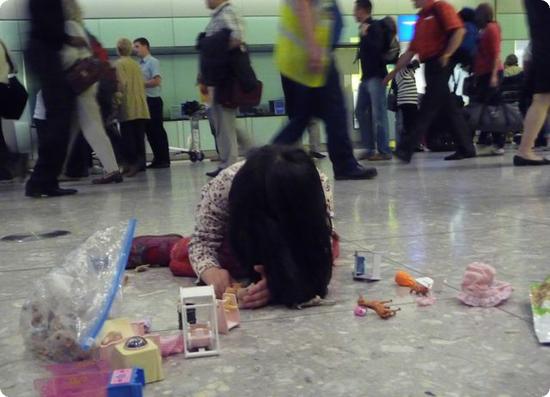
(13, 69)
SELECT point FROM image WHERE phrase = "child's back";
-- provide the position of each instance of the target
(407, 93)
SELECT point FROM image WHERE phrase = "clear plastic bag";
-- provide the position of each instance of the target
(68, 307)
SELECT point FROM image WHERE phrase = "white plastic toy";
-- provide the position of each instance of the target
(367, 266)
(200, 322)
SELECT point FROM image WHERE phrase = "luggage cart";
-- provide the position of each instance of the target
(194, 112)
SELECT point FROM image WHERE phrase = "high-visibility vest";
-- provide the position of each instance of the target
(291, 55)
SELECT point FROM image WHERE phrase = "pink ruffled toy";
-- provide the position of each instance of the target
(480, 289)
(360, 311)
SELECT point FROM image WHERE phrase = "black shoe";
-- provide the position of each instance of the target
(404, 155)
(356, 173)
(522, 162)
(130, 171)
(154, 165)
(316, 155)
(35, 192)
(113, 177)
(460, 156)
(215, 173)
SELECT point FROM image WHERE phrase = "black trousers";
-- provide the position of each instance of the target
(4, 151)
(79, 159)
(490, 96)
(439, 99)
(133, 142)
(59, 102)
(326, 103)
(409, 113)
(156, 134)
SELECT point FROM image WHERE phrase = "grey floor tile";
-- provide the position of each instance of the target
(430, 218)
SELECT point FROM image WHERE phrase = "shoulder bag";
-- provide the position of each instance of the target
(13, 95)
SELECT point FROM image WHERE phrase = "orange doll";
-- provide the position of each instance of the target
(404, 279)
(380, 307)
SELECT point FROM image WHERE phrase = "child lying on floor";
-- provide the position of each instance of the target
(269, 219)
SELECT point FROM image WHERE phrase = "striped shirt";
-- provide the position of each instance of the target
(407, 94)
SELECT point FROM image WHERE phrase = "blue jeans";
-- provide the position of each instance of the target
(326, 103)
(371, 112)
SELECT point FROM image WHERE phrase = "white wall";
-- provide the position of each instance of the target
(17, 9)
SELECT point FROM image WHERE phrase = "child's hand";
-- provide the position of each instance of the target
(219, 278)
(258, 295)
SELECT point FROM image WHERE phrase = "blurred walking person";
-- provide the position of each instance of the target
(308, 32)
(439, 33)
(538, 14)
(47, 38)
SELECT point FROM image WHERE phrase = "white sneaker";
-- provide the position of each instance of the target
(498, 151)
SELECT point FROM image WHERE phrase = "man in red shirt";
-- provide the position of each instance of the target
(439, 33)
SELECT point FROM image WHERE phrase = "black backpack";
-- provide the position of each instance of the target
(391, 43)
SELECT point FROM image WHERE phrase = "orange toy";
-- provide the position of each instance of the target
(380, 307)
(404, 279)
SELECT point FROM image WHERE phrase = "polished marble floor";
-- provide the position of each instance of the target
(431, 217)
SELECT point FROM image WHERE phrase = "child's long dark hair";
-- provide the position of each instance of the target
(278, 219)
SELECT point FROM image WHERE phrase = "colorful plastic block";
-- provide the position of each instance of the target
(141, 353)
(126, 383)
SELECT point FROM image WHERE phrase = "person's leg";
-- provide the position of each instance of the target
(212, 127)
(534, 121)
(225, 123)
(333, 112)
(538, 15)
(483, 96)
(299, 102)
(314, 130)
(163, 137)
(129, 150)
(461, 132)
(499, 140)
(59, 102)
(409, 113)
(114, 135)
(77, 159)
(156, 134)
(436, 89)
(139, 132)
(133, 139)
(5, 174)
(89, 117)
(399, 125)
(365, 117)
(380, 124)
(244, 140)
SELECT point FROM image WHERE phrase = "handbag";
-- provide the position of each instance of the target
(232, 95)
(13, 95)
(84, 73)
(243, 88)
(504, 117)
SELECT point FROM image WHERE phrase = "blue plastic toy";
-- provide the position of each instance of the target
(126, 383)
